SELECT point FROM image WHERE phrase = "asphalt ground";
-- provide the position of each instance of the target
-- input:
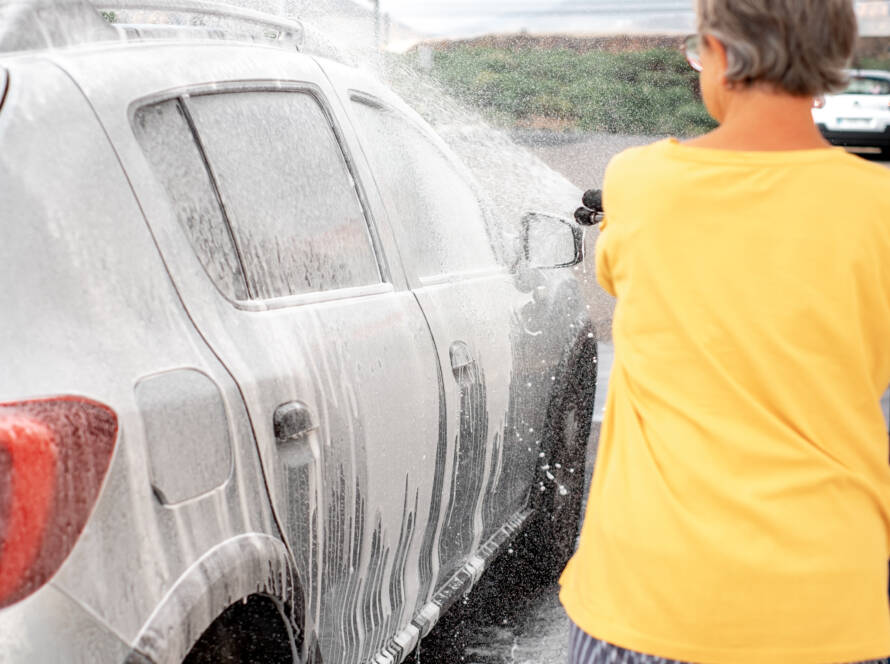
(506, 620)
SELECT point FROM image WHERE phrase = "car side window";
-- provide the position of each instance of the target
(866, 85)
(437, 211)
(287, 191)
(163, 132)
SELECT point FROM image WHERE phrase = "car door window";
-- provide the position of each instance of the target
(287, 191)
(165, 137)
(435, 208)
(865, 85)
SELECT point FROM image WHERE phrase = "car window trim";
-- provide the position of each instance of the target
(320, 297)
(132, 112)
(4, 85)
(182, 94)
(214, 184)
(470, 275)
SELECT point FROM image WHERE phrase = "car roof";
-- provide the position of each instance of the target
(41, 26)
(168, 63)
(874, 73)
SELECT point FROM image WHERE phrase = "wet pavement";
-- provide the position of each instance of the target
(582, 158)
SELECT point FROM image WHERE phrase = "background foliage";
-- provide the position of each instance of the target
(650, 91)
(645, 92)
(874, 63)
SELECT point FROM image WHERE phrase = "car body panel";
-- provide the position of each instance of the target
(63, 632)
(234, 570)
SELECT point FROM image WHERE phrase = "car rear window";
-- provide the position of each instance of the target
(867, 85)
(287, 191)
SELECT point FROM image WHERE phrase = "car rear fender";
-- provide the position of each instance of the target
(246, 565)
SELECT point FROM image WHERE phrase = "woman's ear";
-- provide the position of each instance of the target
(719, 58)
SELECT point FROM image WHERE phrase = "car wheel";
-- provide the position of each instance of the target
(549, 540)
(252, 631)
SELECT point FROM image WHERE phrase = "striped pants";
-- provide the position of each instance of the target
(584, 649)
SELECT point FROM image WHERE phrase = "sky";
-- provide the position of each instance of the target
(458, 18)
(454, 17)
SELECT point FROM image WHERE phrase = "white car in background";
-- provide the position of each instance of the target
(859, 117)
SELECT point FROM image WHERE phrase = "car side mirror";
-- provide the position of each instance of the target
(549, 241)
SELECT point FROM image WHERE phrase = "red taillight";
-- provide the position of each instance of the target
(31, 467)
(54, 454)
(819, 102)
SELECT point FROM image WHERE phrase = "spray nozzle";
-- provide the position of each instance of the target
(592, 213)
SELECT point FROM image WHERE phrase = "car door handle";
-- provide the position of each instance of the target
(461, 358)
(292, 421)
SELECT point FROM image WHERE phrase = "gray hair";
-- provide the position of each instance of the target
(799, 46)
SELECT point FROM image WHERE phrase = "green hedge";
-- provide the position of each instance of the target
(642, 92)
(873, 63)
(646, 92)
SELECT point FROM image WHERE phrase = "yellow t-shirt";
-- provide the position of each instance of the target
(740, 507)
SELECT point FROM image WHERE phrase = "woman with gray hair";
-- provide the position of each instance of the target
(740, 506)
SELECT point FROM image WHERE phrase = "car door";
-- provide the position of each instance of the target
(331, 352)
(471, 303)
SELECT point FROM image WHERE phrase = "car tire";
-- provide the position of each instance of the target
(549, 540)
(252, 631)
